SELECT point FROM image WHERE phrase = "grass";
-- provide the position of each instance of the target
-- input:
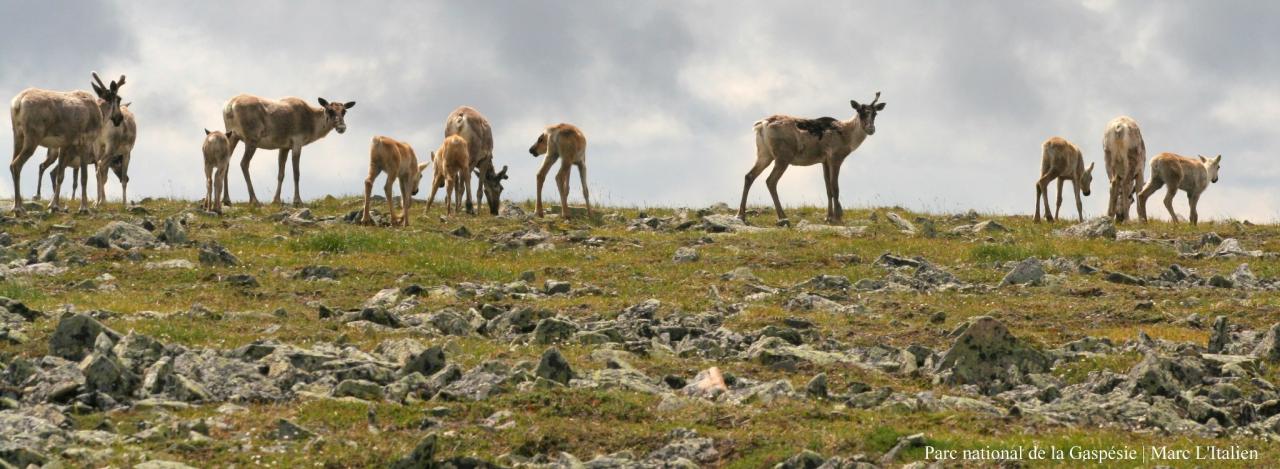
(629, 267)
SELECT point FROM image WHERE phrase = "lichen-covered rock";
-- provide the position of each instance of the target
(554, 367)
(988, 356)
(122, 235)
(1028, 272)
(75, 335)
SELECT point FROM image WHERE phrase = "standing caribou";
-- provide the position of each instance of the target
(564, 142)
(72, 120)
(1179, 172)
(469, 124)
(785, 140)
(115, 145)
(285, 125)
(1061, 160)
(1125, 154)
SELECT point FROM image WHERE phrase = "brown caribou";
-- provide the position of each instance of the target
(286, 125)
(1179, 172)
(564, 142)
(398, 160)
(451, 161)
(474, 128)
(1125, 154)
(64, 120)
(784, 141)
(117, 142)
(217, 160)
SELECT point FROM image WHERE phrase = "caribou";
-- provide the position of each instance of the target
(72, 120)
(784, 141)
(564, 142)
(217, 160)
(452, 160)
(398, 160)
(1061, 160)
(1125, 154)
(115, 146)
(286, 125)
(469, 124)
(1179, 172)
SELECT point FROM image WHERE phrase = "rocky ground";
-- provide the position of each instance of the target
(161, 336)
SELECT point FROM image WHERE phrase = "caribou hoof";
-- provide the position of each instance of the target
(783, 223)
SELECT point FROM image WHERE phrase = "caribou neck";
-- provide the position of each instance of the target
(852, 132)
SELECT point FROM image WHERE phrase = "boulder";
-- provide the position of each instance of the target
(988, 356)
(122, 235)
(1101, 227)
(1269, 347)
(74, 336)
(685, 254)
(1028, 272)
(554, 367)
(214, 254)
(553, 330)
(427, 362)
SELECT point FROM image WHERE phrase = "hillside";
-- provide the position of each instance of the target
(642, 338)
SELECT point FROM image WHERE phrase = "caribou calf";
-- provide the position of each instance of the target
(217, 159)
(452, 160)
(564, 142)
(397, 159)
(1061, 160)
(784, 141)
(1179, 172)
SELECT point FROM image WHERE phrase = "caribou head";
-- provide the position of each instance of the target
(867, 113)
(491, 183)
(335, 112)
(110, 96)
(1211, 165)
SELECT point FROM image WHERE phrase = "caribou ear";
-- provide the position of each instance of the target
(1090, 168)
(349, 104)
(206, 131)
(855, 104)
(880, 106)
(323, 102)
(1203, 159)
(503, 174)
(423, 167)
(231, 135)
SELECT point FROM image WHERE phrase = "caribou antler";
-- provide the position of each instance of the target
(873, 102)
(98, 81)
(121, 83)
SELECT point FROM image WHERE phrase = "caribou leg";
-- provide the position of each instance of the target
(762, 161)
(541, 179)
(826, 182)
(49, 159)
(835, 191)
(22, 151)
(586, 194)
(297, 194)
(83, 176)
(772, 181)
(122, 173)
(284, 158)
(249, 150)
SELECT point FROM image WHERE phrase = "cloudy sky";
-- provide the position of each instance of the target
(667, 91)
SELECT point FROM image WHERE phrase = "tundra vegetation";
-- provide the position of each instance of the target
(647, 335)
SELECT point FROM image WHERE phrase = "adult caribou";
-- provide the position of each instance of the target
(66, 120)
(285, 125)
(115, 146)
(785, 141)
(469, 124)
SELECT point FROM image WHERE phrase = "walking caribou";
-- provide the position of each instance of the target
(285, 125)
(1125, 154)
(1179, 172)
(70, 120)
(469, 124)
(785, 141)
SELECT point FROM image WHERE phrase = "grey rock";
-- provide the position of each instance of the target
(317, 272)
(805, 459)
(137, 351)
(427, 362)
(688, 445)
(125, 236)
(817, 387)
(902, 224)
(214, 254)
(105, 374)
(422, 456)
(1219, 337)
(1101, 227)
(554, 367)
(161, 464)
(241, 281)
(988, 356)
(685, 254)
(175, 232)
(1028, 272)
(1164, 376)
(553, 330)
(1124, 279)
(1269, 347)
(287, 430)
(171, 264)
(555, 287)
(358, 388)
(74, 336)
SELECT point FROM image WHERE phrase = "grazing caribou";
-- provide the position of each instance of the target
(63, 120)
(785, 141)
(217, 160)
(398, 160)
(564, 142)
(1179, 172)
(474, 128)
(452, 160)
(1125, 154)
(285, 125)
(1061, 160)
